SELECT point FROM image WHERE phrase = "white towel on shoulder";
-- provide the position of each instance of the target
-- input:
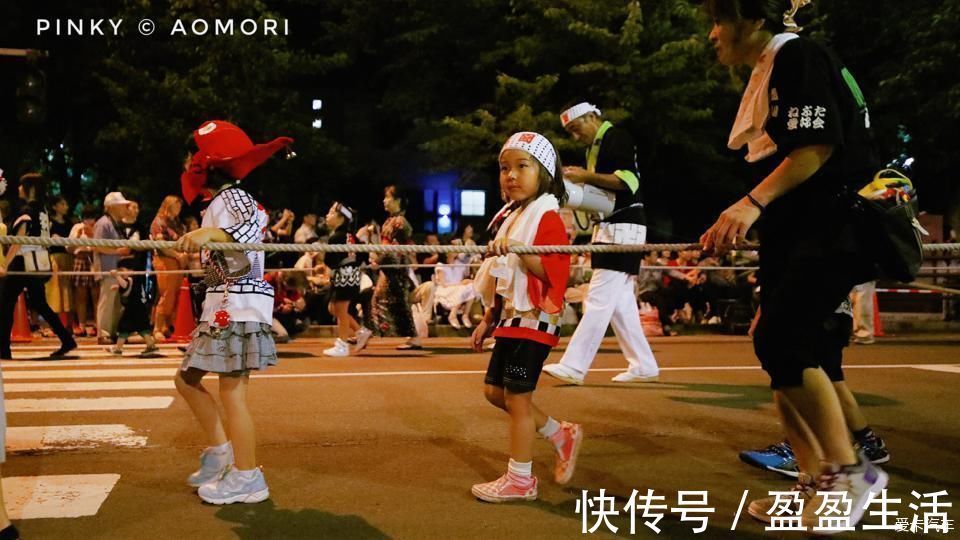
(505, 275)
(748, 128)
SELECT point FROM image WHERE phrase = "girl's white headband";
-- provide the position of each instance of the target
(537, 146)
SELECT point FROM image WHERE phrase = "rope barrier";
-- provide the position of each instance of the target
(339, 248)
(377, 248)
(926, 271)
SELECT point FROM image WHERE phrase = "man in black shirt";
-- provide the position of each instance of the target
(611, 300)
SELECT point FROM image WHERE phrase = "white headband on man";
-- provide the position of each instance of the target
(577, 111)
(537, 146)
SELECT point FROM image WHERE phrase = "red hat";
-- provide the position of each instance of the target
(224, 146)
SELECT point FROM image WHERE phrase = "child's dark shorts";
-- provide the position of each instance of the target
(515, 364)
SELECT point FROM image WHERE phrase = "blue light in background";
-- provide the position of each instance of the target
(444, 225)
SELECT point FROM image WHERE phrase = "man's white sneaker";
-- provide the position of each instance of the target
(236, 487)
(629, 377)
(363, 336)
(339, 349)
(565, 374)
(212, 466)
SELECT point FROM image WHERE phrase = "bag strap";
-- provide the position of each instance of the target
(886, 173)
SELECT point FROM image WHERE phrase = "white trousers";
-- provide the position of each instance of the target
(862, 297)
(611, 300)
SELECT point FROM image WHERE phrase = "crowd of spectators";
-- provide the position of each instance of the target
(674, 289)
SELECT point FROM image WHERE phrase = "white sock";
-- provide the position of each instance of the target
(550, 428)
(247, 475)
(522, 470)
(225, 448)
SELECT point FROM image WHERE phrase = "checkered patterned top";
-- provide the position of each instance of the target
(245, 220)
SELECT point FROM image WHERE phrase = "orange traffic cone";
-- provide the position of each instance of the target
(21, 323)
(877, 325)
(185, 323)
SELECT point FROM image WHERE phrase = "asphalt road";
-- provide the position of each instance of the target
(388, 444)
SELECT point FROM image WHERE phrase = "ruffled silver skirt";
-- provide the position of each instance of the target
(242, 346)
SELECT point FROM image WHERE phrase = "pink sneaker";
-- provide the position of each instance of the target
(572, 437)
(503, 490)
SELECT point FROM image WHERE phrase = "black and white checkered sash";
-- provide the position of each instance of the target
(546, 323)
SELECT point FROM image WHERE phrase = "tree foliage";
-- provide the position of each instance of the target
(418, 86)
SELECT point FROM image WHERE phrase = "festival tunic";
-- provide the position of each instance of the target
(614, 152)
(541, 324)
(245, 220)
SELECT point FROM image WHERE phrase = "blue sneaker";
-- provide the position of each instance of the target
(776, 457)
(236, 487)
(212, 466)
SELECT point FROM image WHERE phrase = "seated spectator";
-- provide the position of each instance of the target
(649, 282)
(289, 304)
(472, 259)
(578, 284)
(454, 290)
(424, 294)
(425, 273)
(317, 286)
(307, 233)
(654, 296)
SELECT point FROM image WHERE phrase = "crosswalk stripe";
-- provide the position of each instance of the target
(157, 373)
(17, 364)
(102, 355)
(54, 345)
(88, 404)
(92, 386)
(41, 438)
(56, 496)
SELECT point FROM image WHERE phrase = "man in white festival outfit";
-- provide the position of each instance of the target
(611, 300)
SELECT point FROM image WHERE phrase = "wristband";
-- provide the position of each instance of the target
(756, 203)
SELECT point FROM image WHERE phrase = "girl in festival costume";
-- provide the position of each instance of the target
(523, 297)
(233, 336)
(346, 282)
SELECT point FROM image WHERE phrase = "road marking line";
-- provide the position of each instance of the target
(158, 373)
(91, 386)
(480, 372)
(941, 368)
(166, 373)
(87, 404)
(41, 438)
(56, 496)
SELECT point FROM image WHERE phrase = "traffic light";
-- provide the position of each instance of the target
(32, 96)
